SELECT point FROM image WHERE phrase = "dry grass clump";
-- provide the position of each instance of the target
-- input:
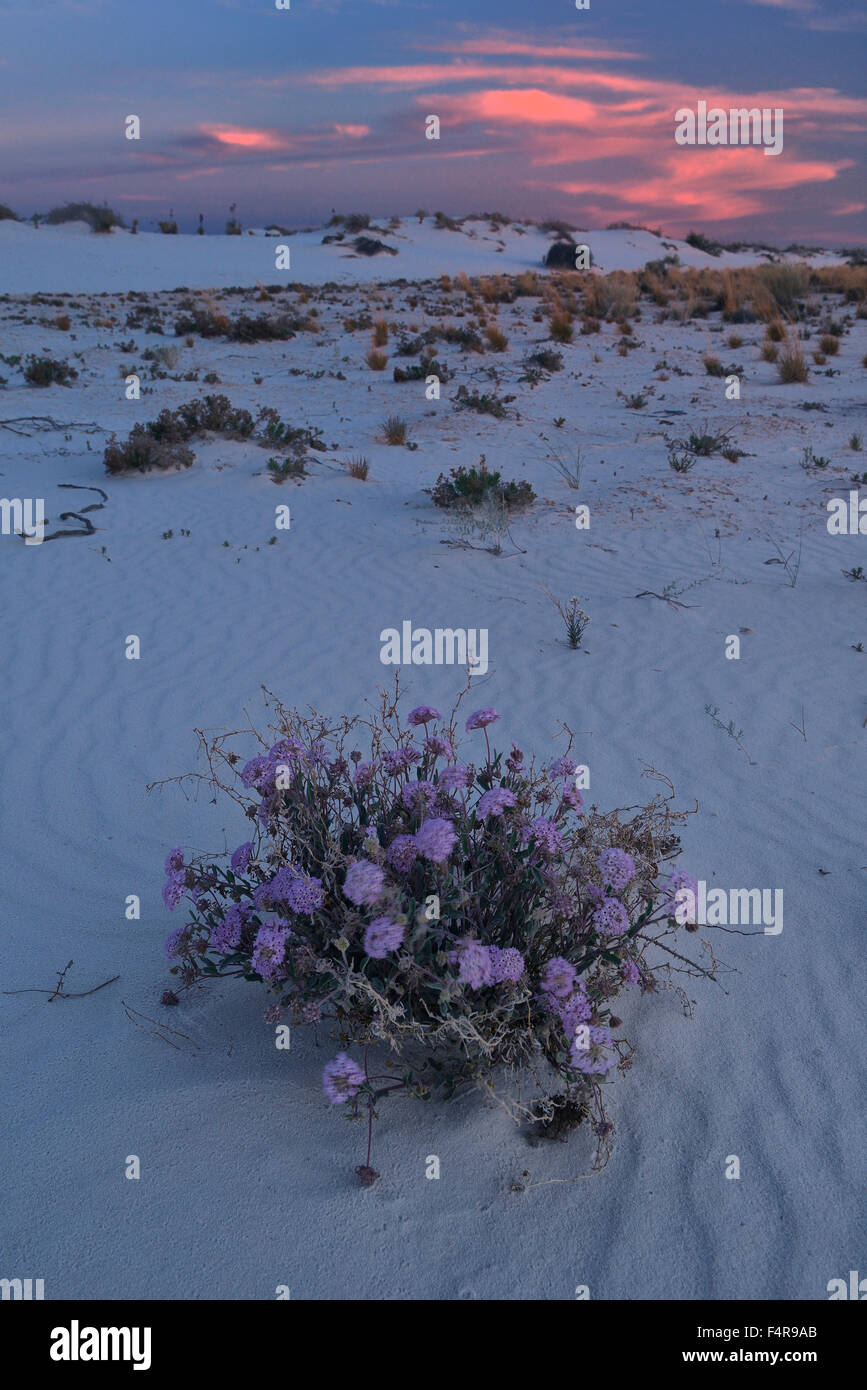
(496, 339)
(395, 429)
(560, 326)
(792, 366)
(377, 361)
(380, 333)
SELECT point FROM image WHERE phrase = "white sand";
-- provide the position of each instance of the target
(247, 1178)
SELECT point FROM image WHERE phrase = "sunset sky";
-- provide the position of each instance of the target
(546, 111)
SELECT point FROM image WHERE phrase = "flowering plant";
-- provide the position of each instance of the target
(474, 916)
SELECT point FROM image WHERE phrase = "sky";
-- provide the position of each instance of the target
(545, 111)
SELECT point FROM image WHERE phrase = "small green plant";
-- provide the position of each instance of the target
(856, 573)
(283, 468)
(575, 620)
(811, 460)
(681, 463)
(636, 402)
(856, 441)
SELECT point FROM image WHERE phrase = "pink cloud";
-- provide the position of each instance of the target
(245, 139)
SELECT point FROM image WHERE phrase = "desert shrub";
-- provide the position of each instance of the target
(561, 255)
(7, 215)
(472, 916)
(467, 487)
(99, 219)
(141, 453)
(376, 361)
(411, 347)
(465, 338)
(246, 328)
(352, 222)
(428, 366)
(380, 333)
(63, 322)
(446, 223)
(46, 371)
(358, 468)
(168, 226)
(485, 403)
(172, 430)
(372, 246)
(547, 359)
(829, 343)
(701, 243)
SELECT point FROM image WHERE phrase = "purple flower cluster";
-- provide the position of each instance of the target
(617, 868)
(422, 714)
(300, 892)
(226, 935)
(398, 760)
(415, 794)
(562, 767)
(402, 853)
(611, 918)
(592, 1059)
(455, 778)
(269, 949)
(495, 802)
(241, 858)
(341, 1079)
(364, 882)
(474, 963)
(176, 942)
(383, 935)
(507, 964)
(482, 718)
(438, 747)
(544, 835)
(174, 861)
(435, 839)
(558, 977)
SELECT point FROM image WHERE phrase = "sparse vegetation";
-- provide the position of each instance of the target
(48, 371)
(469, 486)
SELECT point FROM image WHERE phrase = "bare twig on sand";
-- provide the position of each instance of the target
(156, 1030)
(41, 423)
(58, 992)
